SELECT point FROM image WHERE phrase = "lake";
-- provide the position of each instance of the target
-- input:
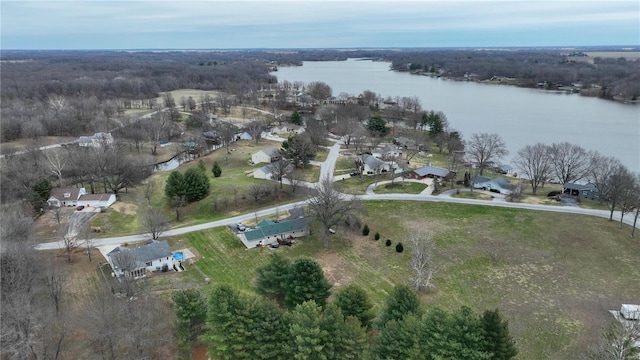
(520, 116)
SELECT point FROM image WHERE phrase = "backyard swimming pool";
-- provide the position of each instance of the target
(178, 256)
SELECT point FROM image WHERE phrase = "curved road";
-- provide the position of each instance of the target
(327, 169)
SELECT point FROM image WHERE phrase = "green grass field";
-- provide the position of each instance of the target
(553, 276)
(399, 187)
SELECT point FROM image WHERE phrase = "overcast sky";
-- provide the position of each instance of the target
(315, 24)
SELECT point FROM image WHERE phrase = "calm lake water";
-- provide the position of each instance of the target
(521, 116)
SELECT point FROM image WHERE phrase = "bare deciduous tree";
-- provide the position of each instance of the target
(535, 162)
(153, 222)
(571, 163)
(69, 245)
(57, 162)
(421, 264)
(330, 207)
(612, 180)
(618, 342)
(483, 149)
(280, 169)
(295, 179)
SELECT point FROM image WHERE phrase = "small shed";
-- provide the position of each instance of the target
(630, 311)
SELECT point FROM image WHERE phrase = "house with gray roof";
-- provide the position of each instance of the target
(584, 191)
(387, 152)
(270, 231)
(371, 165)
(432, 172)
(266, 155)
(154, 255)
(499, 185)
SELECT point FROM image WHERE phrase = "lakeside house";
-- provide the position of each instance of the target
(583, 191)
(432, 172)
(499, 185)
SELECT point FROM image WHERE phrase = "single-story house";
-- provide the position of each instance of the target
(65, 197)
(212, 136)
(154, 255)
(386, 152)
(584, 191)
(432, 172)
(79, 196)
(97, 140)
(270, 231)
(266, 155)
(499, 185)
(372, 165)
(244, 136)
(287, 128)
(97, 200)
(266, 172)
(505, 169)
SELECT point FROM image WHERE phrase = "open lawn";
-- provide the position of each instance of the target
(399, 187)
(473, 195)
(553, 276)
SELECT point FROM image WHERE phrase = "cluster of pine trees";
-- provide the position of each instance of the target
(191, 186)
(293, 319)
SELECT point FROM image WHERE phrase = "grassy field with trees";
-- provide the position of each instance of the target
(553, 277)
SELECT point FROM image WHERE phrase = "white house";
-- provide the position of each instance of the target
(65, 197)
(499, 185)
(372, 165)
(97, 140)
(263, 172)
(266, 172)
(97, 200)
(287, 128)
(79, 196)
(266, 155)
(387, 152)
(154, 255)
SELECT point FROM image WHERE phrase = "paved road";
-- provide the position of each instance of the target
(327, 168)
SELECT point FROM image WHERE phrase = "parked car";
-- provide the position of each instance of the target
(80, 207)
(241, 227)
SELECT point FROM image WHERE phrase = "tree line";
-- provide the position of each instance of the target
(294, 319)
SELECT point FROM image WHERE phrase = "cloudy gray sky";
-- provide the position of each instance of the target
(315, 24)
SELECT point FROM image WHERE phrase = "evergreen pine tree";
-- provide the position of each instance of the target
(332, 327)
(306, 281)
(355, 341)
(268, 324)
(196, 184)
(365, 230)
(201, 166)
(354, 301)
(271, 278)
(227, 321)
(455, 335)
(296, 118)
(305, 333)
(497, 340)
(191, 312)
(400, 339)
(402, 301)
(174, 186)
(216, 170)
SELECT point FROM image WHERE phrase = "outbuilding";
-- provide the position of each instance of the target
(630, 311)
